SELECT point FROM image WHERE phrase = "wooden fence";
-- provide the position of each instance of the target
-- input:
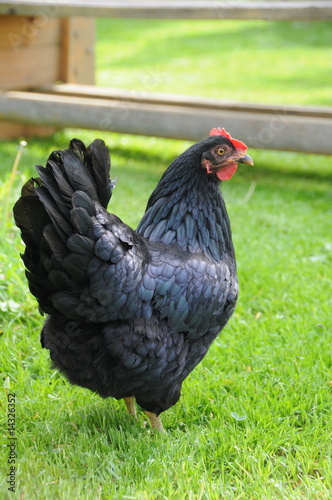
(42, 43)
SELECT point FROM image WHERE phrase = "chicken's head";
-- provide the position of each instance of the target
(223, 158)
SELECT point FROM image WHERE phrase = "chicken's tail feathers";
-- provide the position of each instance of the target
(82, 169)
(43, 212)
(30, 215)
(49, 198)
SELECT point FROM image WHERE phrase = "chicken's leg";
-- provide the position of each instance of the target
(155, 421)
(131, 406)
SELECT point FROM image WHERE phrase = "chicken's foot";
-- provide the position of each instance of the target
(155, 421)
(131, 406)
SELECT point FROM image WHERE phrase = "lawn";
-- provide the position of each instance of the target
(254, 419)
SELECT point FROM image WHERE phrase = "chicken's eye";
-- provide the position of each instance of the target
(220, 151)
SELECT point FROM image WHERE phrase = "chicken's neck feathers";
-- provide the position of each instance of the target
(187, 208)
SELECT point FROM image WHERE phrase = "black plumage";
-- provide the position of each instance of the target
(130, 313)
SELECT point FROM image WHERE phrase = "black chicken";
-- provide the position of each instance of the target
(131, 313)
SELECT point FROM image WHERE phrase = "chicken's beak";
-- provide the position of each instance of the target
(245, 159)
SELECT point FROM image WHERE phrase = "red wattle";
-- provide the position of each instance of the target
(226, 173)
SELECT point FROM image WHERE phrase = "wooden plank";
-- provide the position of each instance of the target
(276, 10)
(88, 91)
(264, 130)
(41, 50)
(29, 51)
(18, 32)
(29, 67)
(11, 130)
(78, 61)
(36, 51)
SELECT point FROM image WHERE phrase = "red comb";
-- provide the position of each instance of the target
(237, 144)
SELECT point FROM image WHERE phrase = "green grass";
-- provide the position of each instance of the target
(254, 419)
(279, 63)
